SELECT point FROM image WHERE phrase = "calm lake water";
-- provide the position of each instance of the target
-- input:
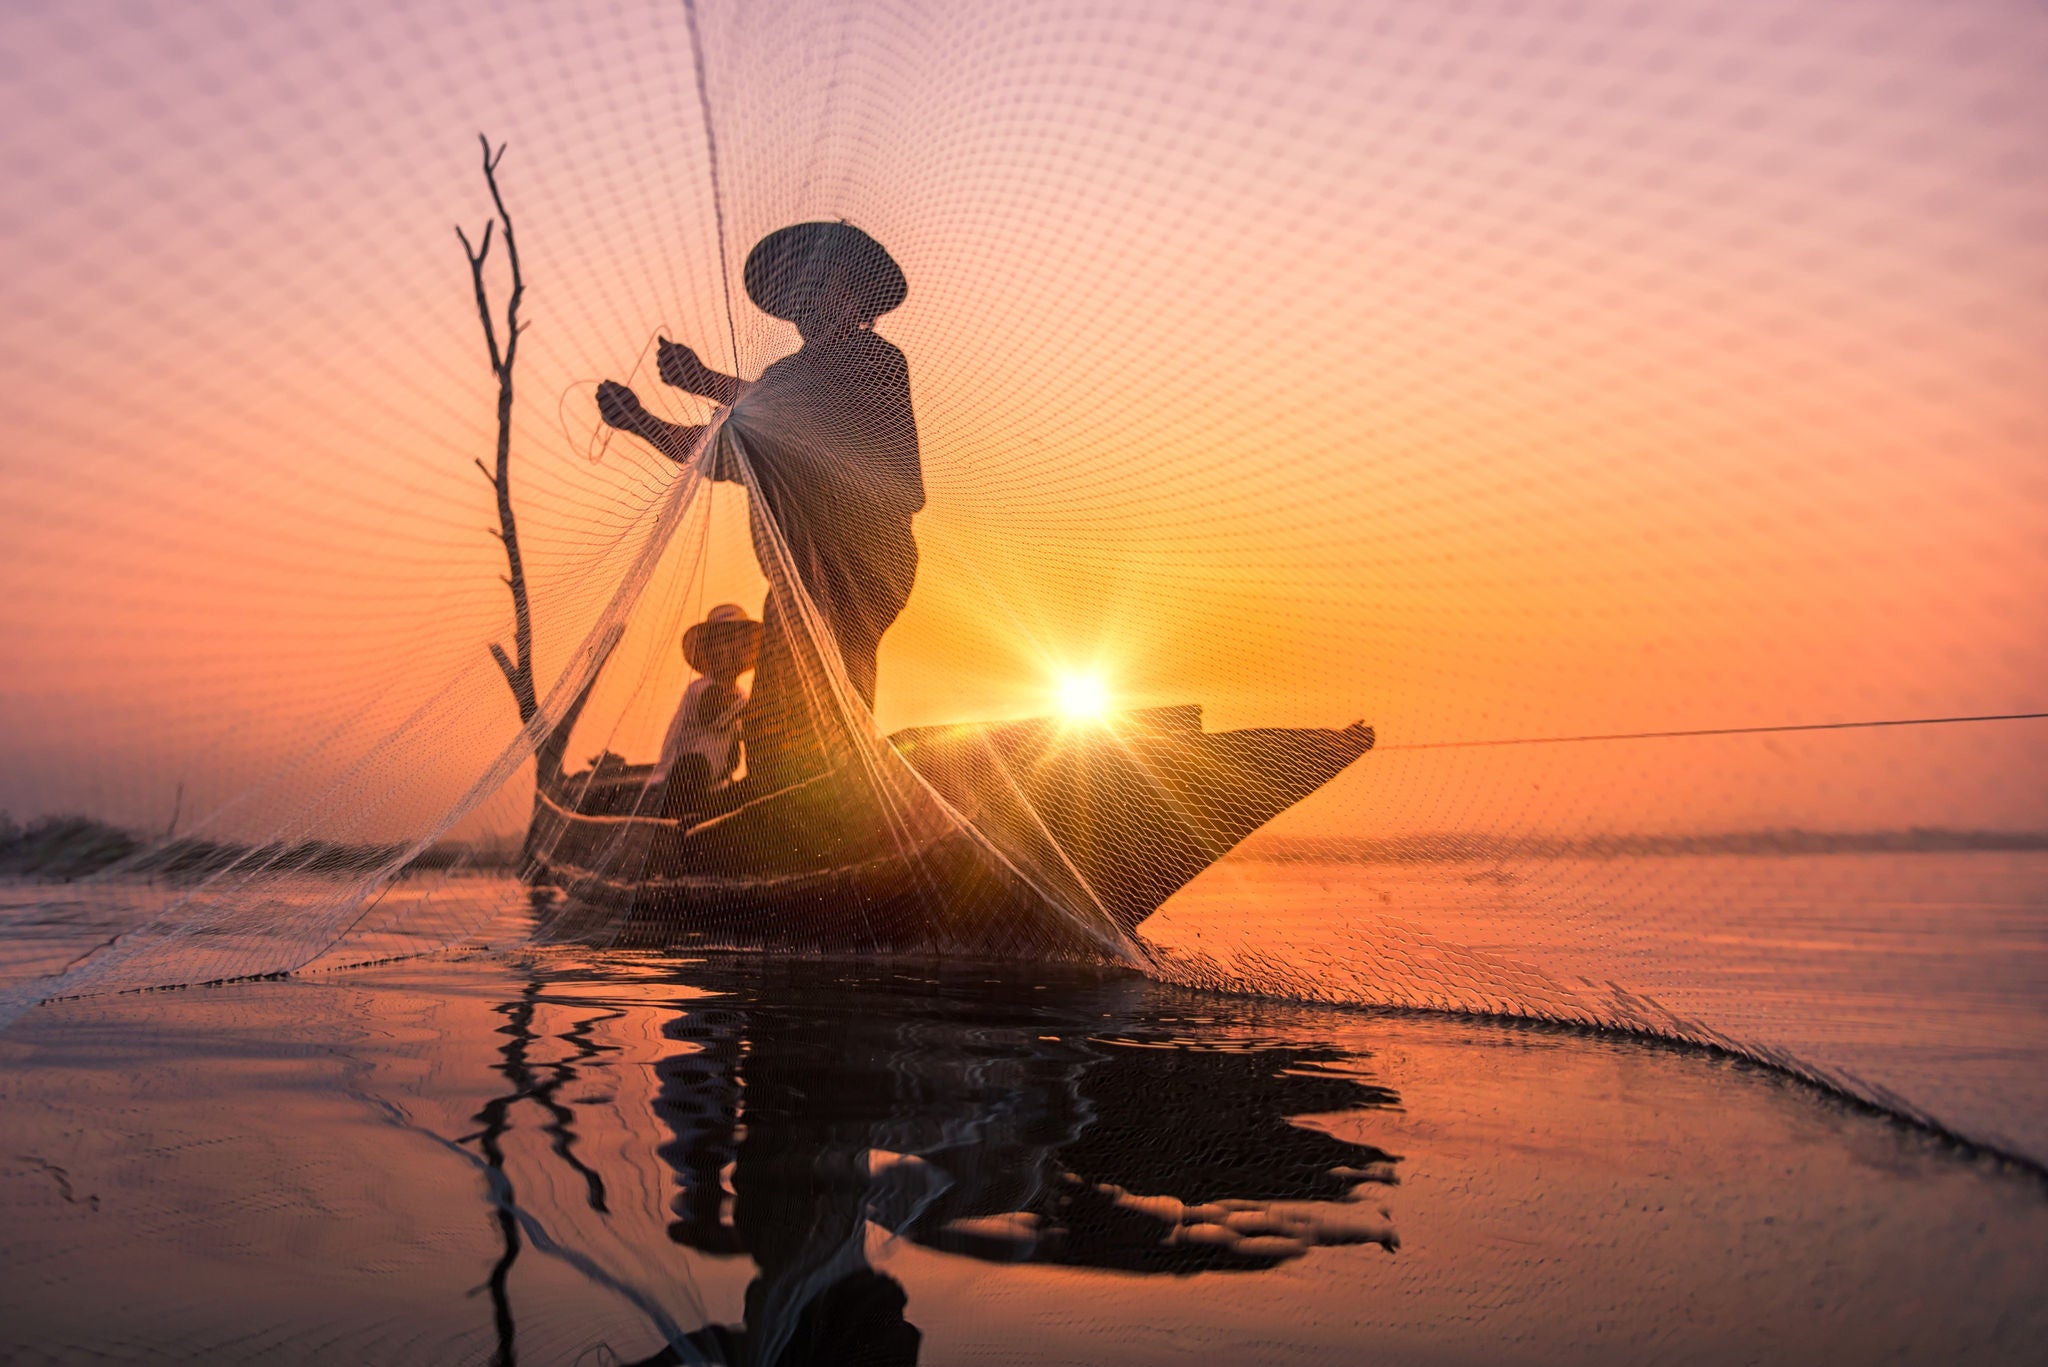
(1919, 981)
(558, 1156)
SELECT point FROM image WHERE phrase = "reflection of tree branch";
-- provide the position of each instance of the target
(561, 1126)
(495, 1117)
(496, 1120)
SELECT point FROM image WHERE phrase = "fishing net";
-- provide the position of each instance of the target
(1147, 397)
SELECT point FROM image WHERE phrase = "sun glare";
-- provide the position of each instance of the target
(1083, 697)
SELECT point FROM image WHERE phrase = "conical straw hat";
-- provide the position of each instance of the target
(726, 641)
(789, 264)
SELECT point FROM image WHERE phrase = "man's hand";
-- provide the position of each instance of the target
(680, 367)
(620, 407)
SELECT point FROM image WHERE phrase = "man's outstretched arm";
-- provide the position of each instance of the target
(681, 367)
(620, 407)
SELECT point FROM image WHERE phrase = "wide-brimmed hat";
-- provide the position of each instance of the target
(727, 641)
(786, 268)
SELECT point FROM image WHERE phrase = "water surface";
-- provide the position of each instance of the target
(556, 1156)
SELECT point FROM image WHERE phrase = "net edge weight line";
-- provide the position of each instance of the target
(1719, 731)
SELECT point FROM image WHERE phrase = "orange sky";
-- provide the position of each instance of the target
(1521, 368)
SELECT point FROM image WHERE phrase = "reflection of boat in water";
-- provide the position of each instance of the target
(1012, 1123)
(806, 1105)
(969, 835)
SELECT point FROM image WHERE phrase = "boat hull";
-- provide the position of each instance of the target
(1021, 836)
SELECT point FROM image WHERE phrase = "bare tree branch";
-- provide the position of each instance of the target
(512, 326)
(517, 665)
(483, 303)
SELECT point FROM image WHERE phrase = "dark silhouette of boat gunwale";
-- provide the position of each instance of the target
(1125, 812)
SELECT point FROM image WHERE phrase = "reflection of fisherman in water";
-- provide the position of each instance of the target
(1007, 1143)
(832, 443)
(802, 1111)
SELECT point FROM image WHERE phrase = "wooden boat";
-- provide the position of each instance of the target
(1035, 835)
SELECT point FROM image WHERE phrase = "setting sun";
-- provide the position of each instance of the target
(1083, 697)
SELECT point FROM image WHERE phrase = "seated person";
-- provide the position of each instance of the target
(701, 749)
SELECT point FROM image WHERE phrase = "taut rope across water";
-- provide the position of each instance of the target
(1720, 731)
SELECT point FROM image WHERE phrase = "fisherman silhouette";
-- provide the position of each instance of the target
(832, 442)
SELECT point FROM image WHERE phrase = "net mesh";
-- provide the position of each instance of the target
(1500, 370)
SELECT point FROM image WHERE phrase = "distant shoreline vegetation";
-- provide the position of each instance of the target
(63, 848)
(68, 847)
(1465, 848)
